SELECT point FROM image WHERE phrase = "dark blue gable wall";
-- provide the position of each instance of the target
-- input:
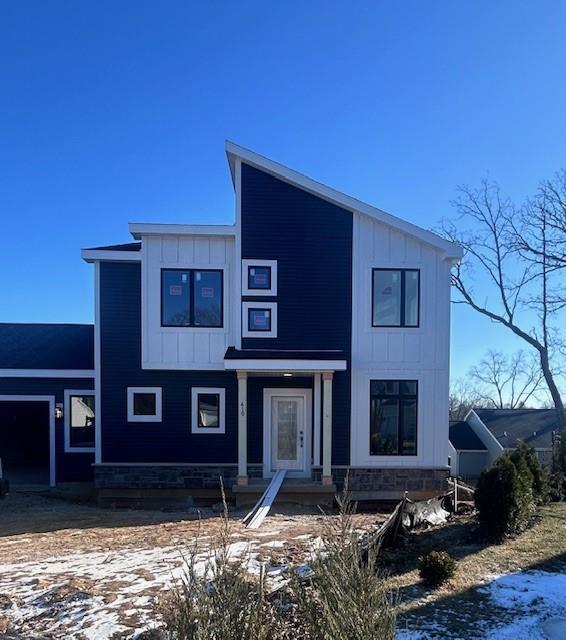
(311, 239)
(170, 440)
(69, 467)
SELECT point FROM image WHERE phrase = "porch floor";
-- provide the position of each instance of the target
(293, 490)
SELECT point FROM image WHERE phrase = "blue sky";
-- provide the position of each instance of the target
(112, 112)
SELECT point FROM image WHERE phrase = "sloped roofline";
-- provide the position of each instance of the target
(452, 250)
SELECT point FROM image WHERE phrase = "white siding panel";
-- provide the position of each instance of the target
(184, 347)
(420, 353)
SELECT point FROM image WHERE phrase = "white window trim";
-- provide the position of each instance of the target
(221, 428)
(67, 419)
(158, 404)
(246, 264)
(271, 306)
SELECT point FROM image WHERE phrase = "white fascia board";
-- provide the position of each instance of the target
(93, 255)
(46, 373)
(451, 250)
(285, 365)
(140, 229)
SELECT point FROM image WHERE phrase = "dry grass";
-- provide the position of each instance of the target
(458, 604)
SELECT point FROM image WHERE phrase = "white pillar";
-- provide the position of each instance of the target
(316, 425)
(327, 428)
(242, 427)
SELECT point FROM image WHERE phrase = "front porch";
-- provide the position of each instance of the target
(293, 491)
(295, 421)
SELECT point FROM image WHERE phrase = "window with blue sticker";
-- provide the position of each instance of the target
(259, 319)
(259, 278)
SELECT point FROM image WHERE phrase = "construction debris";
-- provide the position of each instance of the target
(256, 516)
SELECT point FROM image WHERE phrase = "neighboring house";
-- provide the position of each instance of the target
(478, 441)
(46, 370)
(311, 335)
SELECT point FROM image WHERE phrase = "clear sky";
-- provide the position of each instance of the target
(112, 112)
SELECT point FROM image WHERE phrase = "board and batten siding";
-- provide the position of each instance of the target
(419, 353)
(185, 347)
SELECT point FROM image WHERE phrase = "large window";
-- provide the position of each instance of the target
(395, 298)
(393, 417)
(79, 412)
(208, 414)
(191, 298)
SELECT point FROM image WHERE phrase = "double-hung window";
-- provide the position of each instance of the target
(393, 417)
(395, 300)
(191, 298)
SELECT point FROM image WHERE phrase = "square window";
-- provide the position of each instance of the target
(259, 319)
(144, 404)
(208, 410)
(259, 278)
(80, 423)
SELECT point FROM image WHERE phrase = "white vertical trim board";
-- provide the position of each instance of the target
(67, 393)
(51, 402)
(154, 417)
(97, 369)
(221, 428)
(238, 258)
(316, 420)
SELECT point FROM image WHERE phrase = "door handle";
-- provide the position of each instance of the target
(302, 438)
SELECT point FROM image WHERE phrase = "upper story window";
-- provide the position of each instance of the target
(259, 319)
(396, 294)
(191, 298)
(259, 277)
(393, 417)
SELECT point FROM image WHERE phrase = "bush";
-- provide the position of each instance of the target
(346, 599)
(504, 498)
(557, 487)
(529, 467)
(436, 568)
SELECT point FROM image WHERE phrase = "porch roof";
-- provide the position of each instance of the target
(284, 360)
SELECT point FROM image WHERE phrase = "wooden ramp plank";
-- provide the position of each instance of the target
(263, 506)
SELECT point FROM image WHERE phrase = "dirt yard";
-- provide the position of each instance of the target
(75, 571)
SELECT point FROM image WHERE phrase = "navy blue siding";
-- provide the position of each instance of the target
(311, 239)
(170, 440)
(69, 467)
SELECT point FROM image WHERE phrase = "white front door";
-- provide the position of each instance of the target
(287, 431)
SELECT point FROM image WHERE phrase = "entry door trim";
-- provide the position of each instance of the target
(283, 392)
(51, 402)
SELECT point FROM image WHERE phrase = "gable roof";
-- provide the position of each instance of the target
(46, 346)
(463, 437)
(234, 151)
(532, 426)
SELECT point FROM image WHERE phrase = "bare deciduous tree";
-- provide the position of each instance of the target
(506, 382)
(462, 398)
(519, 252)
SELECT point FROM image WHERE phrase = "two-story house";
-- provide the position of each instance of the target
(311, 335)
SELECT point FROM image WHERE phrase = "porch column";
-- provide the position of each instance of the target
(242, 427)
(327, 427)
